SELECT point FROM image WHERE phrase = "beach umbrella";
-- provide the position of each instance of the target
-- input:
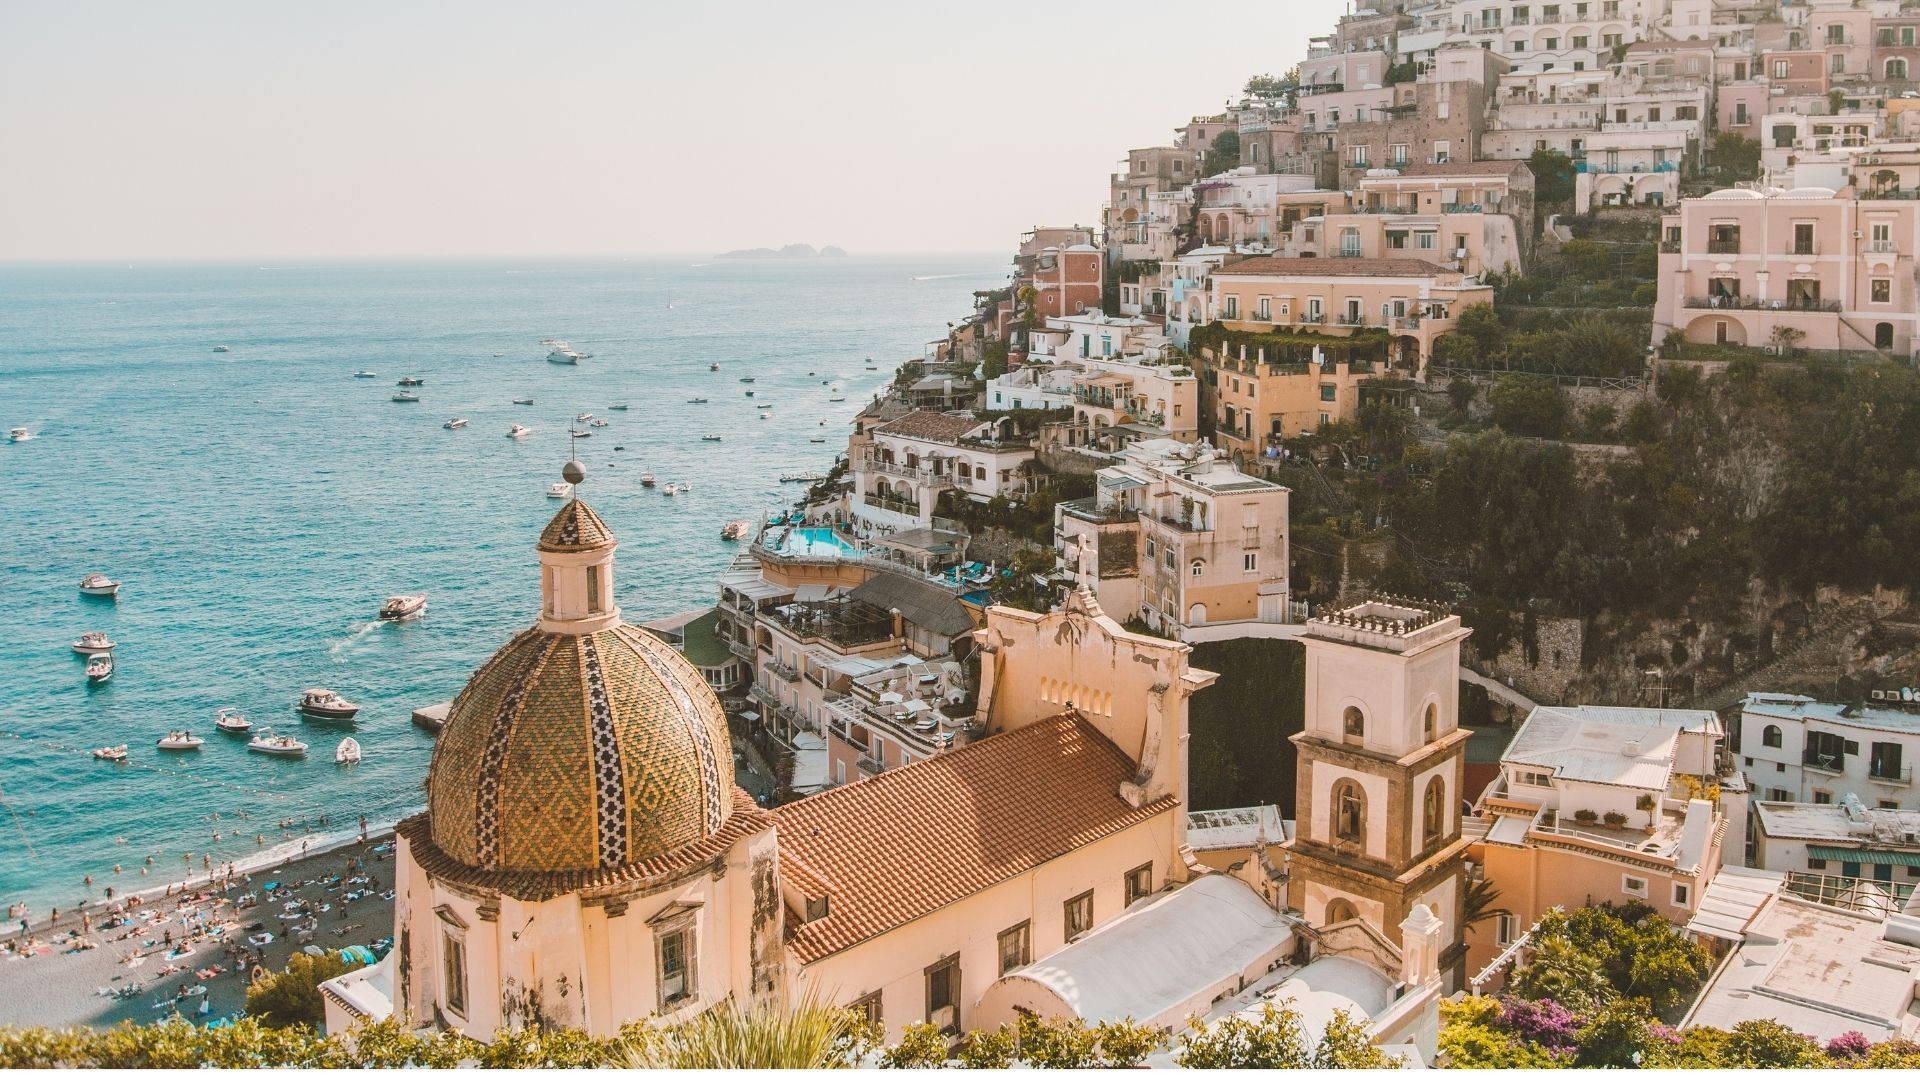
(314, 950)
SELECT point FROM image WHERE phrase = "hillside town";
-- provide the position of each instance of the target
(1111, 677)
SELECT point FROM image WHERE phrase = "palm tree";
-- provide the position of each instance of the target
(810, 1035)
(1477, 907)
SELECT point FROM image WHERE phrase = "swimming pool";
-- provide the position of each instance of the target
(818, 543)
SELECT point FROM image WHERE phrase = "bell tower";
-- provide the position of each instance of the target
(1378, 788)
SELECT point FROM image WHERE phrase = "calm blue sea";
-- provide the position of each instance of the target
(260, 503)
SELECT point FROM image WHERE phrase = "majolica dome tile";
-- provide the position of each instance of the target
(575, 528)
(579, 752)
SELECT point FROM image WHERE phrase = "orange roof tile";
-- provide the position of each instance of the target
(912, 840)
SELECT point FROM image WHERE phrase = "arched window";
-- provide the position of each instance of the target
(1198, 568)
(1430, 724)
(1349, 812)
(1770, 736)
(1353, 723)
(1339, 911)
(1883, 335)
(1433, 812)
(1896, 68)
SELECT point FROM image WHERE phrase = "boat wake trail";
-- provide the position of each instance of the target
(358, 632)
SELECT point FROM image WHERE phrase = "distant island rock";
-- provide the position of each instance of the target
(791, 251)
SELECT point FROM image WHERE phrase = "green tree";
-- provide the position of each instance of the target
(1769, 1044)
(292, 996)
(1528, 405)
(1586, 258)
(1224, 154)
(1735, 157)
(1552, 177)
(921, 1046)
(1278, 1040)
(1471, 1039)
(1560, 971)
(1620, 1036)
(1482, 325)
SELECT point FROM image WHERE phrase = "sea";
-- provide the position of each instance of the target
(258, 504)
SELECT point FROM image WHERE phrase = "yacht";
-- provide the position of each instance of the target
(597, 422)
(411, 380)
(583, 418)
(581, 434)
(670, 489)
(228, 719)
(181, 740)
(19, 434)
(523, 401)
(455, 424)
(326, 705)
(519, 431)
(347, 753)
(112, 753)
(93, 641)
(223, 348)
(646, 479)
(736, 530)
(366, 374)
(563, 354)
(99, 585)
(696, 401)
(281, 745)
(559, 489)
(100, 668)
(406, 395)
(404, 606)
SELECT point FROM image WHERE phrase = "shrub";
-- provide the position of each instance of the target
(1585, 815)
(293, 996)
(1614, 818)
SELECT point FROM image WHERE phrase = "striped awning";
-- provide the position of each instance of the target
(1863, 855)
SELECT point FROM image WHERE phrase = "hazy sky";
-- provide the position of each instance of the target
(193, 130)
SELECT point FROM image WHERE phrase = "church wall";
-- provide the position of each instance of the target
(895, 963)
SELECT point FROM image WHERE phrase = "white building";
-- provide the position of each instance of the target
(1796, 749)
(1040, 386)
(897, 482)
(1841, 840)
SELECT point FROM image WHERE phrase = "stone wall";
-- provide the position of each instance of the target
(1547, 671)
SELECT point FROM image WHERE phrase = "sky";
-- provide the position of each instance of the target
(202, 130)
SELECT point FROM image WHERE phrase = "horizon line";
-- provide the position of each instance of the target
(71, 260)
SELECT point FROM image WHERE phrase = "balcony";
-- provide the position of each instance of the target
(898, 506)
(1880, 247)
(895, 468)
(1347, 319)
(1755, 303)
(741, 649)
(1461, 208)
(1723, 247)
(1896, 775)
(783, 672)
(872, 766)
(1828, 764)
(1406, 322)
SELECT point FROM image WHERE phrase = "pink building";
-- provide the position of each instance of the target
(1827, 270)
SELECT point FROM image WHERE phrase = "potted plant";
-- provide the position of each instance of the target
(1585, 816)
(1647, 803)
(1615, 819)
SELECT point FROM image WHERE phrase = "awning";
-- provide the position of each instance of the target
(1509, 829)
(1121, 482)
(1862, 855)
(1731, 900)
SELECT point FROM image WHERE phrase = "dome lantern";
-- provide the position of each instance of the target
(576, 568)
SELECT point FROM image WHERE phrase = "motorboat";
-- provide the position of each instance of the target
(618, 447)
(181, 740)
(411, 380)
(93, 641)
(326, 705)
(406, 395)
(347, 753)
(19, 434)
(736, 530)
(713, 367)
(228, 719)
(709, 438)
(455, 424)
(686, 486)
(749, 393)
(100, 668)
(618, 408)
(519, 431)
(559, 489)
(404, 606)
(581, 434)
(99, 585)
(583, 418)
(838, 397)
(764, 415)
(670, 489)
(112, 753)
(279, 745)
(696, 401)
(646, 479)
(366, 374)
(564, 353)
(817, 439)
(748, 378)
(223, 348)
(523, 401)
(600, 423)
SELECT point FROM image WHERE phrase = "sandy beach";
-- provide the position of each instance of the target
(174, 948)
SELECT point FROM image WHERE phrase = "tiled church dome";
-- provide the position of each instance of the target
(580, 751)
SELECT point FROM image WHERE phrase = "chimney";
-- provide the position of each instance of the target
(899, 623)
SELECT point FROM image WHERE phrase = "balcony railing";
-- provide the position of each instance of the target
(1901, 775)
(872, 766)
(1830, 764)
(896, 468)
(783, 671)
(1461, 208)
(1406, 322)
(740, 649)
(898, 506)
(1881, 247)
(1755, 303)
(1350, 320)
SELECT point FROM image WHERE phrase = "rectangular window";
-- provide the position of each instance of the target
(1803, 238)
(675, 950)
(1233, 307)
(1633, 886)
(1250, 562)
(943, 995)
(1264, 310)
(1816, 864)
(1016, 947)
(1822, 798)
(1779, 69)
(1139, 883)
(1504, 925)
(1681, 894)
(593, 590)
(453, 971)
(1882, 290)
(1327, 391)
(1360, 156)
(1740, 112)
(1079, 914)
(1883, 762)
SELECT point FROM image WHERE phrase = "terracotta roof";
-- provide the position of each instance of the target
(925, 424)
(746, 820)
(1464, 168)
(575, 528)
(1269, 266)
(909, 841)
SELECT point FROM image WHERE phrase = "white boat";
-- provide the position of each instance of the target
(406, 395)
(519, 431)
(366, 374)
(581, 434)
(713, 367)
(709, 438)
(181, 740)
(670, 489)
(347, 753)
(523, 401)
(564, 353)
(100, 668)
(686, 485)
(404, 606)
(326, 705)
(228, 719)
(583, 418)
(696, 401)
(99, 585)
(596, 422)
(619, 408)
(647, 480)
(282, 745)
(93, 641)
(112, 753)
(411, 380)
(455, 424)
(222, 348)
(560, 489)
(19, 434)
(837, 397)
(736, 530)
